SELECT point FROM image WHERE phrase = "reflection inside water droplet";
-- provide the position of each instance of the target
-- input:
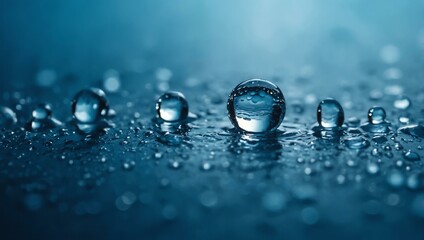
(330, 113)
(172, 107)
(256, 106)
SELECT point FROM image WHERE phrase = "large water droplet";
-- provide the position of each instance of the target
(256, 106)
(89, 106)
(376, 115)
(330, 113)
(7, 117)
(172, 107)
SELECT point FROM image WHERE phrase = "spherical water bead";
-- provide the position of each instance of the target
(89, 106)
(402, 103)
(330, 113)
(256, 106)
(172, 107)
(376, 115)
(7, 117)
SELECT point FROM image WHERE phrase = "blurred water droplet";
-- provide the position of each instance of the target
(256, 106)
(373, 168)
(208, 199)
(411, 156)
(7, 117)
(396, 179)
(402, 103)
(310, 215)
(172, 107)
(111, 80)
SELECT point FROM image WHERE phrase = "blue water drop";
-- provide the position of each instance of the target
(7, 117)
(376, 115)
(357, 143)
(172, 107)
(89, 106)
(330, 113)
(256, 106)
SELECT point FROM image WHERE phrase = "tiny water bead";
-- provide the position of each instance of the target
(376, 115)
(330, 113)
(7, 117)
(89, 106)
(172, 107)
(256, 106)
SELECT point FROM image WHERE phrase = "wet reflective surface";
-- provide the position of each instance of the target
(135, 178)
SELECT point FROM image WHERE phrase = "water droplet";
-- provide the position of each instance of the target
(89, 106)
(373, 168)
(402, 103)
(7, 117)
(42, 112)
(411, 156)
(256, 106)
(111, 80)
(330, 113)
(357, 143)
(416, 181)
(395, 179)
(413, 130)
(376, 115)
(172, 107)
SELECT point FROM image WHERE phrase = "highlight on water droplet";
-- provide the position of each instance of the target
(172, 106)
(111, 80)
(402, 103)
(376, 121)
(256, 106)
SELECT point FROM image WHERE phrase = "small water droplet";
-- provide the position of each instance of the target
(402, 103)
(376, 115)
(411, 156)
(111, 80)
(395, 179)
(89, 106)
(330, 113)
(172, 107)
(256, 106)
(373, 168)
